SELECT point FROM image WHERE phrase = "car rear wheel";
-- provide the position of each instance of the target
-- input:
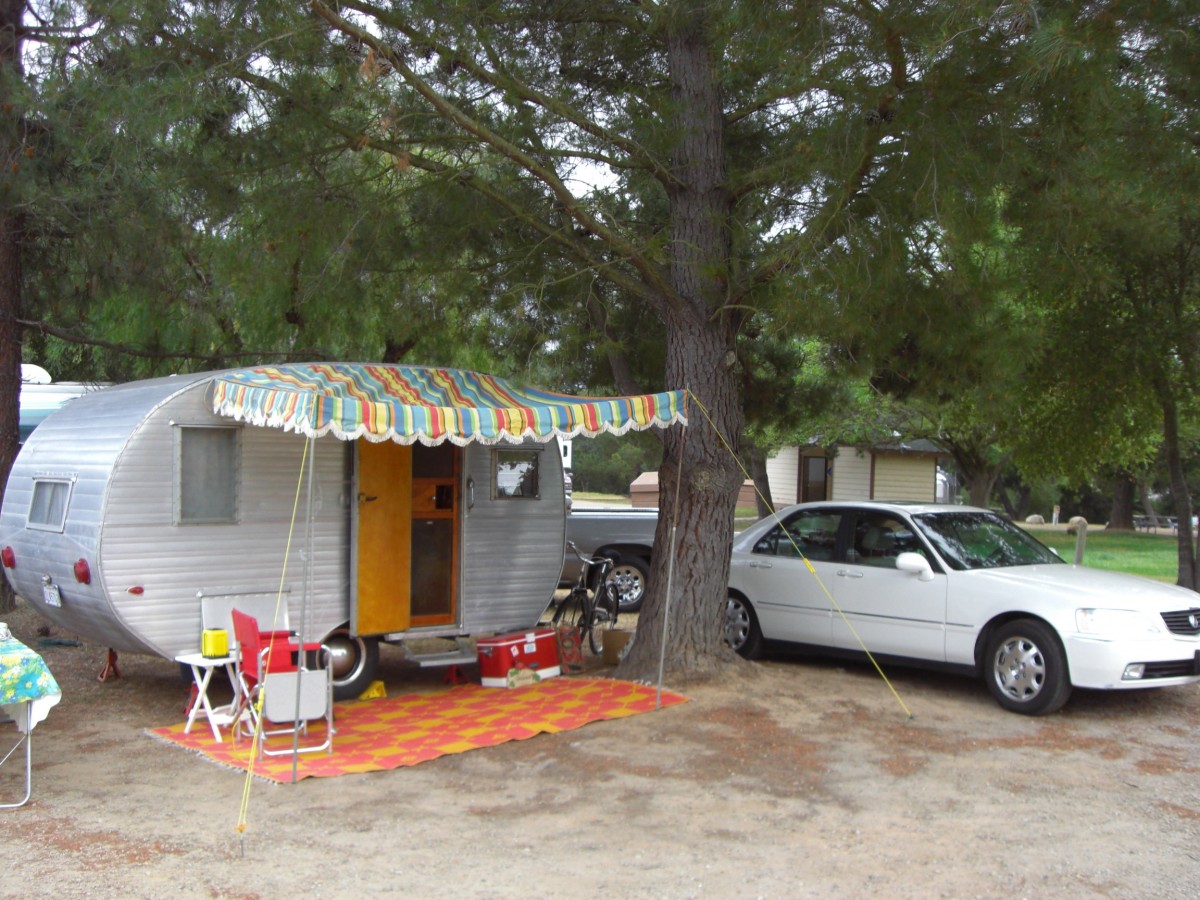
(741, 628)
(1026, 668)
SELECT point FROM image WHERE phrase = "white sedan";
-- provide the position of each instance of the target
(956, 588)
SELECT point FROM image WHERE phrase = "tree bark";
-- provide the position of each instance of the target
(11, 159)
(1124, 492)
(764, 503)
(1179, 491)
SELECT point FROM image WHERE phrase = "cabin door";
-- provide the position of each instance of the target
(406, 537)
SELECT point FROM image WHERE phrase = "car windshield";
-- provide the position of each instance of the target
(975, 540)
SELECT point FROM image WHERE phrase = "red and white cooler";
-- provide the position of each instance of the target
(524, 657)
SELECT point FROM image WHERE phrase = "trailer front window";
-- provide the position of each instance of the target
(207, 473)
(48, 509)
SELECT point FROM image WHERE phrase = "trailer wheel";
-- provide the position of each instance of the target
(355, 660)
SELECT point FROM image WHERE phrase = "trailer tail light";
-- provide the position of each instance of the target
(8, 558)
(83, 574)
(137, 590)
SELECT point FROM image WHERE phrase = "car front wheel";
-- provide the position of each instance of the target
(1026, 668)
(741, 628)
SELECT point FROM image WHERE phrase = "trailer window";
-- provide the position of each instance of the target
(51, 497)
(207, 473)
(515, 474)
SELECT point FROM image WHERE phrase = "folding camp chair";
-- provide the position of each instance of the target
(282, 683)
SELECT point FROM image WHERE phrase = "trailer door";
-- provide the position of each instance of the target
(406, 537)
(383, 538)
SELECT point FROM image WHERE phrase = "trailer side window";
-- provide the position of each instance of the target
(207, 473)
(515, 474)
(48, 509)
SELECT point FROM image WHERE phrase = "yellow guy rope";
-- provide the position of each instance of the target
(808, 565)
(242, 823)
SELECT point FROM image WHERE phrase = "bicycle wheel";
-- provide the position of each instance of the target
(604, 615)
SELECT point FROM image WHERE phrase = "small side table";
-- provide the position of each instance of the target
(202, 671)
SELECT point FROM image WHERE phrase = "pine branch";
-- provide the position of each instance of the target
(655, 278)
(125, 349)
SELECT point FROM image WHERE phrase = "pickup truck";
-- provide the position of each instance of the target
(626, 535)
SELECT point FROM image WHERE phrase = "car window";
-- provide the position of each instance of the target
(810, 533)
(879, 538)
(978, 540)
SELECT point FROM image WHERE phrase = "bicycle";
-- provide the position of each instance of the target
(595, 611)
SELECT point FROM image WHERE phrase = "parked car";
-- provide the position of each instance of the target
(961, 589)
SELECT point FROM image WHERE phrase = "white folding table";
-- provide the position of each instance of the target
(27, 693)
(202, 672)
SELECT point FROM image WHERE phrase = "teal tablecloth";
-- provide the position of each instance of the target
(24, 678)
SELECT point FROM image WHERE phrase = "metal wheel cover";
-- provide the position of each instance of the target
(1019, 668)
(737, 623)
(347, 656)
(629, 583)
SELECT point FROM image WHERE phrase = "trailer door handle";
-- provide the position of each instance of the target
(363, 498)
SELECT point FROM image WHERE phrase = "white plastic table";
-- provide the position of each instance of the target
(202, 671)
(27, 693)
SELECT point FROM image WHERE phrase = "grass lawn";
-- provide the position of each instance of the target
(1150, 555)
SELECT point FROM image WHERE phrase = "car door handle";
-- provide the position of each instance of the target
(849, 573)
(757, 564)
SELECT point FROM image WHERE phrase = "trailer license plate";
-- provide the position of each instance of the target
(51, 595)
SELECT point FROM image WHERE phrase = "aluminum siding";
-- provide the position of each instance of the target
(513, 549)
(174, 564)
(83, 441)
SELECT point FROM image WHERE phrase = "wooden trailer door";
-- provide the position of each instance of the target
(406, 547)
(383, 546)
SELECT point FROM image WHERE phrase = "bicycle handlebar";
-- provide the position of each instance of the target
(590, 560)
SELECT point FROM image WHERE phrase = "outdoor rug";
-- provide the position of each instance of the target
(374, 735)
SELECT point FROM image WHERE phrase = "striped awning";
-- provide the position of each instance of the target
(408, 404)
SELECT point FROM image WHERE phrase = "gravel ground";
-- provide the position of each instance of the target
(791, 778)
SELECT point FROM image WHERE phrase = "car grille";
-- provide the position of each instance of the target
(1183, 621)
(1174, 669)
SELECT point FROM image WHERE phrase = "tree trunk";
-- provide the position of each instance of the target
(699, 478)
(1179, 491)
(979, 486)
(764, 503)
(1124, 492)
(11, 159)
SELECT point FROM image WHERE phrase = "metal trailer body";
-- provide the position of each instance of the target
(113, 456)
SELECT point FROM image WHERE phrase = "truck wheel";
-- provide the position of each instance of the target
(629, 577)
(355, 660)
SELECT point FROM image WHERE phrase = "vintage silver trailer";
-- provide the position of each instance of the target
(136, 513)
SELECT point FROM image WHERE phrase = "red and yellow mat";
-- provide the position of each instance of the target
(374, 735)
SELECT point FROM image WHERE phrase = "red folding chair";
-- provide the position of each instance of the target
(281, 682)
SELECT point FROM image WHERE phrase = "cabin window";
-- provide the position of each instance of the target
(51, 497)
(515, 474)
(208, 475)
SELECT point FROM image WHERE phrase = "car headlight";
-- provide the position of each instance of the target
(1115, 622)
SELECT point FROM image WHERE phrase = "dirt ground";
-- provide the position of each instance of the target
(799, 779)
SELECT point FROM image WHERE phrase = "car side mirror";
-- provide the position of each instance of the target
(916, 564)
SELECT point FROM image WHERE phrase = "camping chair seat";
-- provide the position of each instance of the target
(282, 682)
